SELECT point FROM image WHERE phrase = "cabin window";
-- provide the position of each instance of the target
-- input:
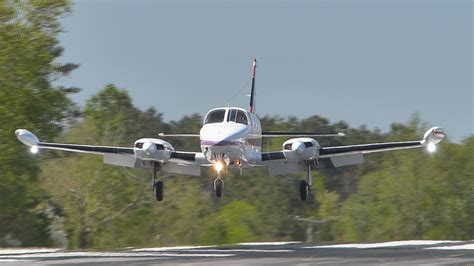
(232, 115)
(237, 116)
(308, 144)
(216, 116)
(139, 145)
(241, 118)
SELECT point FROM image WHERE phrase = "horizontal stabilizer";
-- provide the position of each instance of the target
(274, 134)
(177, 135)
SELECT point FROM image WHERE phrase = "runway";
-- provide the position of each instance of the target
(419, 252)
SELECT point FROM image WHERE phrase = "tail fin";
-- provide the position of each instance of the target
(252, 92)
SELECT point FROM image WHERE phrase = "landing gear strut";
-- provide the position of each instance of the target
(305, 186)
(157, 185)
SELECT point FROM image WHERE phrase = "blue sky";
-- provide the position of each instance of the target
(364, 62)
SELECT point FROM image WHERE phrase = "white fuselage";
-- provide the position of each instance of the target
(232, 135)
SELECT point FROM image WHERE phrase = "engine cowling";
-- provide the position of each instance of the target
(302, 148)
(149, 149)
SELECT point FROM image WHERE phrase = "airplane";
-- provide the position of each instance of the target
(231, 137)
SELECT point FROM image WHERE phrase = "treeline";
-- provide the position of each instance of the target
(73, 200)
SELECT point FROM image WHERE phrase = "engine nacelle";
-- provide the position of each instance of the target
(302, 148)
(148, 149)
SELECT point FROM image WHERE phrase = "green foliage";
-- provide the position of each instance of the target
(187, 124)
(235, 223)
(404, 195)
(328, 213)
(414, 195)
(64, 198)
(28, 52)
(97, 198)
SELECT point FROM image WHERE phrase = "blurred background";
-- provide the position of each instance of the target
(110, 72)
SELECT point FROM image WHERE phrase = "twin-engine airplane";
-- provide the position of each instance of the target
(231, 137)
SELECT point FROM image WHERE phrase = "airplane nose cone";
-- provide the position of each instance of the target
(222, 136)
(228, 138)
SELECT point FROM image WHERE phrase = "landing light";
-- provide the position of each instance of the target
(431, 147)
(34, 149)
(219, 166)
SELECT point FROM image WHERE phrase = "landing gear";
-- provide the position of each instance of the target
(218, 186)
(305, 186)
(304, 190)
(158, 189)
(218, 182)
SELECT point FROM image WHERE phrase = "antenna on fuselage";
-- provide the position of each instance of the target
(252, 92)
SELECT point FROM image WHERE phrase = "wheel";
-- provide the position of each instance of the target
(158, 190)
(304, 190)
(218, 185)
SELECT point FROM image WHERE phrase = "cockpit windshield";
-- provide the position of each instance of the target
(216, 116)
(237, 116)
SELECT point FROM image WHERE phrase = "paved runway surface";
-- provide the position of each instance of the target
(414, 252)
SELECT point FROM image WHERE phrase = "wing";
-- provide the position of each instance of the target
(171, 161)
(290, 161)
(85, 148)
(431, 137)
(326, 152)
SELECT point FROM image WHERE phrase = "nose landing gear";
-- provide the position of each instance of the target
(218, 182)
(218, 186)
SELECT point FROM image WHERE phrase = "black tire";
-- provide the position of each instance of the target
(304, 190)
(218, 184)
(158, 190)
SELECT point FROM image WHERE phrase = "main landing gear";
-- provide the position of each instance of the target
(157, 185)
(305, 186)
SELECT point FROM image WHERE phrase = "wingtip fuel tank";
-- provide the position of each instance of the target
(26, 137)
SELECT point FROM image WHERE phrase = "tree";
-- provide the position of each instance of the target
(235, 223)
(28, 65)
(101, 202)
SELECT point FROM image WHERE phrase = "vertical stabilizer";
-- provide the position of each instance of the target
(252, 92)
